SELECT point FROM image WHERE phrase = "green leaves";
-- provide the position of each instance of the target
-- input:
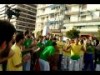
(73, 33)
(10, 12)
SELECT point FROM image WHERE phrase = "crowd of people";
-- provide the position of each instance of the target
(25, 52)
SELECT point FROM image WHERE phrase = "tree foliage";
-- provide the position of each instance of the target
(10, 12)
(73, 33)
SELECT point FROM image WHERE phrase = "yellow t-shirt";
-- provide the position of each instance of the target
(76, 49)
(68, 52)
(82, 52)
(0, 67)
(16, 59)
(60, 46)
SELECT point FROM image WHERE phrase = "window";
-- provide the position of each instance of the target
(67, 17)
(52, 15)
(66, 8)
(43, 10)
(83, 6)
(42, 18)
(83, 17)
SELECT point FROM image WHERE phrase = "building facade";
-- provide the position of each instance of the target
(27, 18)
(84, 17)
(51, 15)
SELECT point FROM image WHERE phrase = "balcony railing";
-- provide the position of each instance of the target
(54, 22)
(85, 21)
(71, 12)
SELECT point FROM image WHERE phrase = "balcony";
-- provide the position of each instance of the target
(88, 28)
(66, 21)
(84, 21)
(71, 12)
(85, 13)
(54, 6)
(54, 22)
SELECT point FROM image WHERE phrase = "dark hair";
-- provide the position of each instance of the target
(82, 41)
(28, 37)
(26, 32)
(19, 37)
(7, 31)
(54, 39)
(97, 42)
(54, 43)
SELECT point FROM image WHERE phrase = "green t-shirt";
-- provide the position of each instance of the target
(49, 43)
(40, 45)
(48, 51)
(28, 43)
(90, 49)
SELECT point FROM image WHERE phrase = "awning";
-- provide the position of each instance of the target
(89, 33)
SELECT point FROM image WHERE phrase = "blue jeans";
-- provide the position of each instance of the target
(59, 61)
(44, 65)
(88, 61)
(26, 66)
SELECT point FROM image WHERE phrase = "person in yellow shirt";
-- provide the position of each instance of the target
(66, 52)
(60, 46)
(76, 49)
(66, 55)
(15, 62)
(82, 52)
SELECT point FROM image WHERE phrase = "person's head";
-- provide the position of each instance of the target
(97, 42)
(20, 38)
(54, 39)
(76, 41)
(88, 41)
(60, 38)
(7, 31)
(82, 41)
(35, 41)
(26, 33)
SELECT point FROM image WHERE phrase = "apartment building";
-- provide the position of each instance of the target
(27, 18)
(84, 17)
(51, 15)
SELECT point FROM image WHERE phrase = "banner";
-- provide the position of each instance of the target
(45, 30)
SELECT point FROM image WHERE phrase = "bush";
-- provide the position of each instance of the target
(72, 33)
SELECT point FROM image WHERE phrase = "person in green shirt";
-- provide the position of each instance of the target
(89, 56)
(40, 45)
(48, 41)
(46, 56)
